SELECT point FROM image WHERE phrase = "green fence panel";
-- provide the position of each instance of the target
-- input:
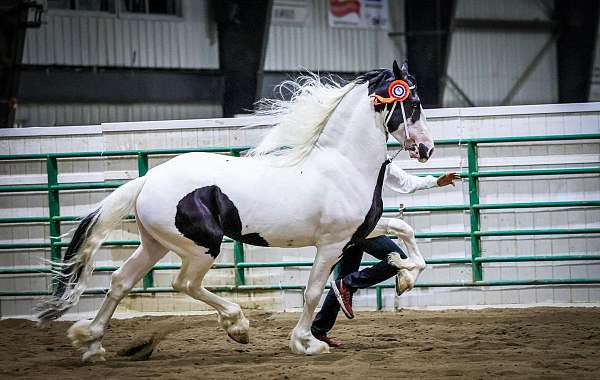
(239, 264)
(53, 210)
(475, 217)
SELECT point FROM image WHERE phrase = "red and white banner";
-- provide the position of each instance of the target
(372, 14)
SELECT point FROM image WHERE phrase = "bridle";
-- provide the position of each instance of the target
(398, 92)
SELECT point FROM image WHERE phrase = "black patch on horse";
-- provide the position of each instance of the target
(206, 215)
(374, 213)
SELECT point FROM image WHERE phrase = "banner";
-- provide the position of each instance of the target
(290, 12)
(371, 14)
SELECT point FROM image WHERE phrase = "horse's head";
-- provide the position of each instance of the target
(386, 87)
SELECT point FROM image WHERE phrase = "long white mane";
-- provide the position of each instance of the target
(300, 120)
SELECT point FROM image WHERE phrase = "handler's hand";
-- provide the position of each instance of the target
(447, 179)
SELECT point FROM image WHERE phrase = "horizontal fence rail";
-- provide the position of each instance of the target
(239, 265)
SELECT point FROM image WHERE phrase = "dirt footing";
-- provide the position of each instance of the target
(509, 343)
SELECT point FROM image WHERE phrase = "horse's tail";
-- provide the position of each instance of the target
(77, 266)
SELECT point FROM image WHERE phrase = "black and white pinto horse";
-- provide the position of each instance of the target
(322, 190)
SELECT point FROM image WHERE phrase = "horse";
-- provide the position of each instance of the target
(315, 179)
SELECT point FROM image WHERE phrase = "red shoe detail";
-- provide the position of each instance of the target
(344, 296)
(329, 341)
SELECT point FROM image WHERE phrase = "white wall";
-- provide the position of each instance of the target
(315, 46)
(125, 40)
(129, 40)
(39, 115)
(486, 65)
(82, 38)
(445, 123)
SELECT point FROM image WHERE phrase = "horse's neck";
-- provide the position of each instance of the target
(353, 133)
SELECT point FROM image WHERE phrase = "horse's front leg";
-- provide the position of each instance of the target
(302, 340)
(410, 268)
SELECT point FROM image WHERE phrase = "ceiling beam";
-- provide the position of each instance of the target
(14, 20)
(243, 27)
(504, 26)
(77, 84)
(575, 48)
(427, 52)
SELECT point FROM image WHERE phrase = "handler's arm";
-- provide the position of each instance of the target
(400, 181)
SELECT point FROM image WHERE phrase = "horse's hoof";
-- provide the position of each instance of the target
(94, 354)
(80, 333)
(316, 348)
(242, 338)
(308, 345)
(320, 349)
(237, 327)
(399, 287)
(402, 283)
(93, 358)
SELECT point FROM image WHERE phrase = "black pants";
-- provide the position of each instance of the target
(378, 247)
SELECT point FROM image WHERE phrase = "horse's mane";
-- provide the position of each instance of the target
(300, 120)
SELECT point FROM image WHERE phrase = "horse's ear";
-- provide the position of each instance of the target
(404, 69)
(397, 72)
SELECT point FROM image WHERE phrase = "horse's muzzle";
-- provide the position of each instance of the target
(424, 152)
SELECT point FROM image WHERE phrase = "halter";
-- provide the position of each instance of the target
(398, 92)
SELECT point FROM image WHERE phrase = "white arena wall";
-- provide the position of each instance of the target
(444, 123)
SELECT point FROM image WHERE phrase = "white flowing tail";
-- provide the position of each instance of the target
(77, 266)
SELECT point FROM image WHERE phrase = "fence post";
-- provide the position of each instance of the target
(238, 250)
(474, 200)
(238, 257)
(379, 298)
(53, 212)
(142, 161)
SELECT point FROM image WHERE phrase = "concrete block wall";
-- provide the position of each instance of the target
(444, 123)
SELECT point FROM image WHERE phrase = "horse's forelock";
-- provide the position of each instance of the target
(378, 80)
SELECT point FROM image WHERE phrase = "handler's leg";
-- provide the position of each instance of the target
(302, 341)
(379, 247)
(325, 319)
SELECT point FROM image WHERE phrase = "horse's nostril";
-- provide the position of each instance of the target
(423, 151)
(430, 152)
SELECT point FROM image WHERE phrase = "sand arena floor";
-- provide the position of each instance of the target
(508, 343)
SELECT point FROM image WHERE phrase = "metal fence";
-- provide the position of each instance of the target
(54, 219)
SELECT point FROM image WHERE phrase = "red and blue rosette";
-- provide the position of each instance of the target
(399, 90)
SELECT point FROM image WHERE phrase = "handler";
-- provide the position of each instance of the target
(350, 279)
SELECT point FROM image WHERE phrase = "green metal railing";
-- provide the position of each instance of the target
(239, 265)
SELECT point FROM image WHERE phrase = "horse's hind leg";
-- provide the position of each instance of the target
(196, 264)
(87, 334)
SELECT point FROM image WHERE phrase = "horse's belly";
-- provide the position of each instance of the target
(283, 216)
